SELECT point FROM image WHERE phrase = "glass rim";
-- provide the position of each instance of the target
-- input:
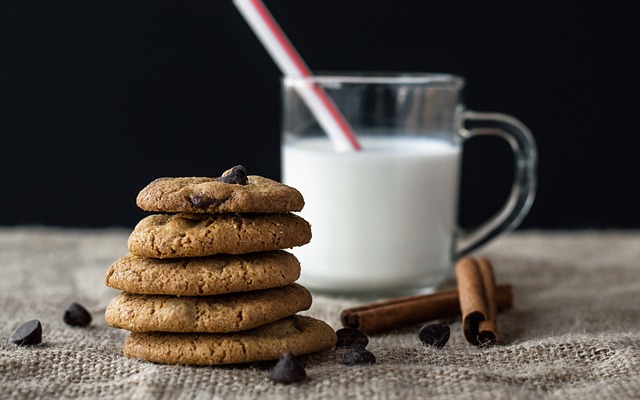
(366, 77)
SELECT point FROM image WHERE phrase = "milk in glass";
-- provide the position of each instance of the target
(381, 218)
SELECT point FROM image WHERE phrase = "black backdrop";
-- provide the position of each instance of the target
(97, 98)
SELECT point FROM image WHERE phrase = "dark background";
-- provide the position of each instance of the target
(98, 98)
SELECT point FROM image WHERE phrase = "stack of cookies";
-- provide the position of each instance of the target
(207, 280)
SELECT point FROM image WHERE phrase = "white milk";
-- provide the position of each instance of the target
(382, 219)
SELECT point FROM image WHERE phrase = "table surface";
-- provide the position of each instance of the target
(574, 330)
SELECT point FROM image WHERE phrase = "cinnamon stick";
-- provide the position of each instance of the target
(477, 294)
(388, 314)
(488, 329)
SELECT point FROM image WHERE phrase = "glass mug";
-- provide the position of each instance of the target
(384, 219)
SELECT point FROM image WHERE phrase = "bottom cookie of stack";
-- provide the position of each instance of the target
(296, 334)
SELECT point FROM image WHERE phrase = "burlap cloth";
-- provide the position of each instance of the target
(574, 331)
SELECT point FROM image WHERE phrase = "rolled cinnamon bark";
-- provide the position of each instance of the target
(476, 291)
(488, 329)
(389, 314)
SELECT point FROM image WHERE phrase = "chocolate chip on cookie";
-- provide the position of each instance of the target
(201, 201)
(236, 175)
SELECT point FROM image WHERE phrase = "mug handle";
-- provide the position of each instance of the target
(473, 123)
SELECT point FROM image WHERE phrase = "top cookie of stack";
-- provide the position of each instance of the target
(246, 194)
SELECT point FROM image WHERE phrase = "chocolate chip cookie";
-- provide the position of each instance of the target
(222, 313)
(211, 195)
(296, 334)
(203, 276)
(197, 235)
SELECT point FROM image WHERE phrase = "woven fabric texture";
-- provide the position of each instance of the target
(573, 333)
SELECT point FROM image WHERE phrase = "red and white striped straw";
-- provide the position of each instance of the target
(291, 64)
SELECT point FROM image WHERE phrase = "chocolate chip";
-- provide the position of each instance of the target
(288, 370)
(236, 175)
(436, 335)
(77, 315)
(351, 337)
(358, 355)
(202, 201)
(28, 333)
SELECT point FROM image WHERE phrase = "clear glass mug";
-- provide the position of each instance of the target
(384, 219)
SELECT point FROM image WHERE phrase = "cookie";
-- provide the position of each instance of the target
(203, 276)
(222, 313)
(208, 195)
(296, 334)
(197, 235)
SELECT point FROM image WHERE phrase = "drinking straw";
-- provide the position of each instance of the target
(290, 63)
